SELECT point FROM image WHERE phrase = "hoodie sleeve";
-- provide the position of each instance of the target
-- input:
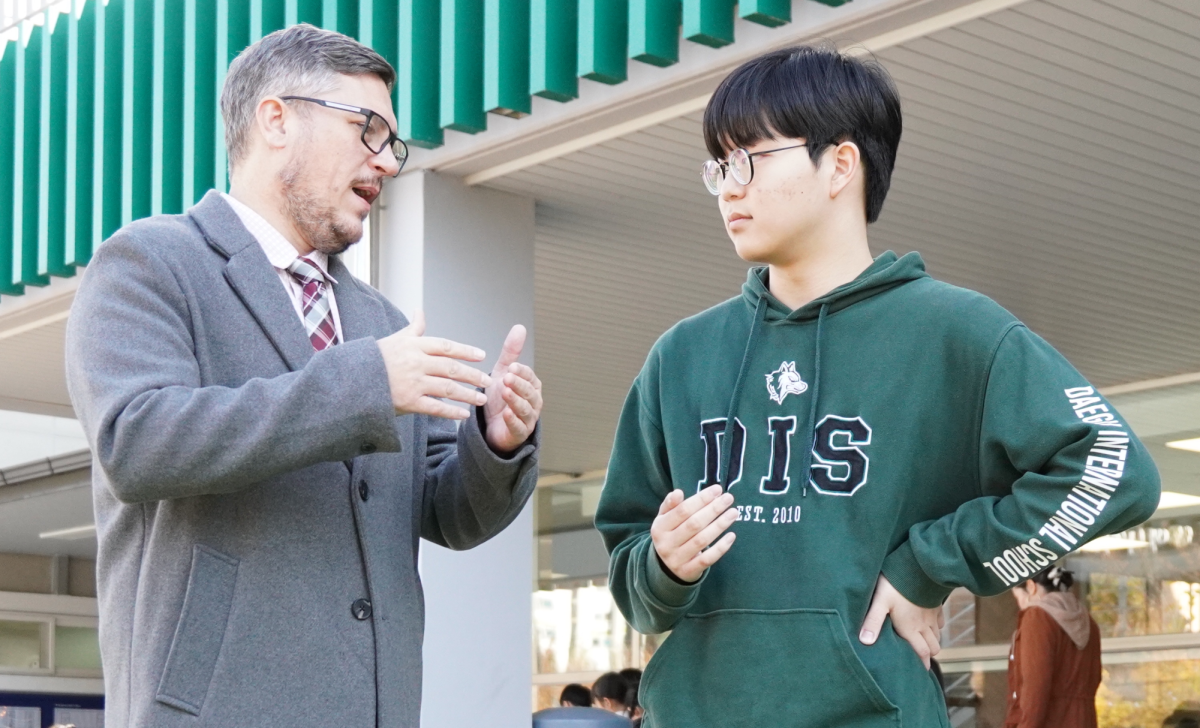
(638, 480)
(1058, 467)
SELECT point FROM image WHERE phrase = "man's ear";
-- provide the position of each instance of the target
(847, 163)
(273, 118)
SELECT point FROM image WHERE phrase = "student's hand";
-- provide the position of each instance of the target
(684, 528)
(514, 399)
(422, 370)
(920, 627)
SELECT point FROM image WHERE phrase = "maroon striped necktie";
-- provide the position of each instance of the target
(318, 315)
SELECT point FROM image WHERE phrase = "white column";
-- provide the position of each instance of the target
(465, 255)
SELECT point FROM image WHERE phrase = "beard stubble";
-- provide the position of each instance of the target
(318, 223)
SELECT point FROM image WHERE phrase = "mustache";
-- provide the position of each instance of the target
(375, 181)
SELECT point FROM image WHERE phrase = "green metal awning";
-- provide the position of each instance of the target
(109, 113)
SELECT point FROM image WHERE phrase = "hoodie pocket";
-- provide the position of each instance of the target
(201, 630)
(737, 667)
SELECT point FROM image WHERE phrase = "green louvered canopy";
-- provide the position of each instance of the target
(109, 113)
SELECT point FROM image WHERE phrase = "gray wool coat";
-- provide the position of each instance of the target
(259, 505)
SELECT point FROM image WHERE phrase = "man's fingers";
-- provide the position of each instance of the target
(673, 499)
(513, 344)
(438, 408)
(941, 619)
(521, 386)
(516, 426)
(434, 346)
(518, 404)
(522, 389)
(874, 621)
(526, 406)
(449, 389)
(526, 373)
(440, 366)
(416, 327)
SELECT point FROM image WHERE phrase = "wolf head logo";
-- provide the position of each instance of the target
(784, 381)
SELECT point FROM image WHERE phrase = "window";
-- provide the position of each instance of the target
(32, 644)
(578, 632)
(24, 645)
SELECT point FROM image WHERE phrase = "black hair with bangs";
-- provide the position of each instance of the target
(816, 94)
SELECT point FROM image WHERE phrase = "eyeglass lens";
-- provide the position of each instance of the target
(377, 135)
(739, 164)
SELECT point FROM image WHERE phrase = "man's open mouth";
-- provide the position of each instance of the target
(367, 193)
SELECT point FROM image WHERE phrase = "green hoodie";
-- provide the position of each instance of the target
(950, 446)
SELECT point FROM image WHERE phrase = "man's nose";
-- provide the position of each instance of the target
(386, 163)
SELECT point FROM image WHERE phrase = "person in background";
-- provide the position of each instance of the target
(633, 676)
(611, 692)
(575, 696)
(1054, 666)
(1186, 715)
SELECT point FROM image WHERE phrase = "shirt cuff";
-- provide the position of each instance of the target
(905, 573)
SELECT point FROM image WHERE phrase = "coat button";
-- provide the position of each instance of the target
(361, 609)
(367, 448)
(364, 491)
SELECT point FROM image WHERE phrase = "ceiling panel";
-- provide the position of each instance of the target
(50, 504)
(1051, 160)
(33, 372)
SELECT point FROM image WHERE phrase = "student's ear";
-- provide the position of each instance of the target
(846, 166)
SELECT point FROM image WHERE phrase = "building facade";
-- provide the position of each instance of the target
(1050, 159)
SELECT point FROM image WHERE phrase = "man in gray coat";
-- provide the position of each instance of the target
(269, 434)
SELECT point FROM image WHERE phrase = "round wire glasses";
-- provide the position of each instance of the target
(377, 133)
(740, 164)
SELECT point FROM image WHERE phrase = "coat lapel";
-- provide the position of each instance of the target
(254, 279)
(358, 311)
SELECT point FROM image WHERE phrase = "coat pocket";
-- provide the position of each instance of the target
(201, 630)
(735, 667)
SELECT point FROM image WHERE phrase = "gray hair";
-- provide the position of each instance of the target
(302, 59)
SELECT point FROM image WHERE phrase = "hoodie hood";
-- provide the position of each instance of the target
(884, 274)
(887, 272)
(1069, 613)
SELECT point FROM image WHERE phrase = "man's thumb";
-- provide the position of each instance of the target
(873, 623)
(416, 327)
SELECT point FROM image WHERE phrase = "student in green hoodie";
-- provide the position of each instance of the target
(803, 473)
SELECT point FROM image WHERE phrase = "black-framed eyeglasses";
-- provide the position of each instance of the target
(377, 133)
(740, 165)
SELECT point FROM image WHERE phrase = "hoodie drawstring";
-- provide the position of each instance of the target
(735, 400)
(806, 472)
(727, 445)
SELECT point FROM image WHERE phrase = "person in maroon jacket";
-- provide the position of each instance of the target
(1054, 665)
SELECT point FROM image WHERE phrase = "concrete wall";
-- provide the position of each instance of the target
(465, 255)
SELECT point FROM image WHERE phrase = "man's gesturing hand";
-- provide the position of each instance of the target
(684, 528)
(514, 399)
(919, 626)
(421, 370)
